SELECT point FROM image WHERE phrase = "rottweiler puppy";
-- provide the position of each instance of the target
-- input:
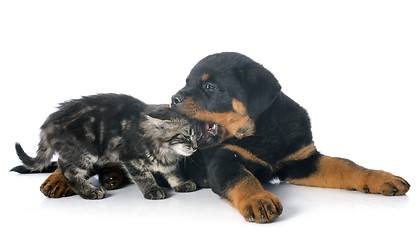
(267, 135)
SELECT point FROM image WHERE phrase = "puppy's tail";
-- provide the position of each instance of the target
(22, 169)
(40, 163)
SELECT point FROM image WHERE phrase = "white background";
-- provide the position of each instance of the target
(352, 64)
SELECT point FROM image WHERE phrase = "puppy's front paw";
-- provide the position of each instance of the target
(155, 193)
(263, 207)
(188, 186)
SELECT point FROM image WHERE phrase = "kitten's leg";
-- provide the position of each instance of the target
(77, 178)
(145, 181)
(178, 183)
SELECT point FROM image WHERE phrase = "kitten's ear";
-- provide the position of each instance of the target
(159, 123)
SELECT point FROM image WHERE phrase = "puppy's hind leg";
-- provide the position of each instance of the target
(331, 172)
(77, 180)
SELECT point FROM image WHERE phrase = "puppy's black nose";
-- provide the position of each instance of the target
(177, 99)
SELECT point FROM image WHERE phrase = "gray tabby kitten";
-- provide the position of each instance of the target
(90, 132)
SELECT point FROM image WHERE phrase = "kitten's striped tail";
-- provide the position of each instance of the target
(41, 162)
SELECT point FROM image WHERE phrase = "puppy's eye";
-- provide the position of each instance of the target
(209, 87)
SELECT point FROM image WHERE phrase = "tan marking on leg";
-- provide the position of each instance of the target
(301, 154)
(345, 174)
(246, 155)
(252, 201)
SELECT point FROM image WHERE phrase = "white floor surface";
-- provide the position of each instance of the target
(124, 213)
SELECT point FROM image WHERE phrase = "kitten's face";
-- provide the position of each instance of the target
(185, 142)
(183, 135)
(179, 135)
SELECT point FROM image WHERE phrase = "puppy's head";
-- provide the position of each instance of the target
(228, 89)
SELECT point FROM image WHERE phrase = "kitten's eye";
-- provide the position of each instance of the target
(199, 137)
(185, 138)
(209, 87)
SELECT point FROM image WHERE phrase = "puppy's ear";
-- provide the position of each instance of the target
(260, 86)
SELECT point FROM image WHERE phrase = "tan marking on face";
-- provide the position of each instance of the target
(235, 123)
(205, 77)
(238, 106)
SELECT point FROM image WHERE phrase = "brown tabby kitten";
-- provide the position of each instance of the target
(95, 130)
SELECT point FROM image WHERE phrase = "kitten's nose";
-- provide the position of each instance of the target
(177, 99)
(195, 145)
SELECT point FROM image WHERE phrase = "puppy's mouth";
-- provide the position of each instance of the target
(210, 135)
(210, 128)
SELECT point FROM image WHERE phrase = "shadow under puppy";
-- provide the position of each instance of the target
(97, 130)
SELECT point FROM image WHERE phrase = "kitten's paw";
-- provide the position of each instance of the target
(155, 193)
(188, 186)
(95, 193)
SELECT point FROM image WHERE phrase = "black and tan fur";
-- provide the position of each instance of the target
(271, 138)
(268, 136)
